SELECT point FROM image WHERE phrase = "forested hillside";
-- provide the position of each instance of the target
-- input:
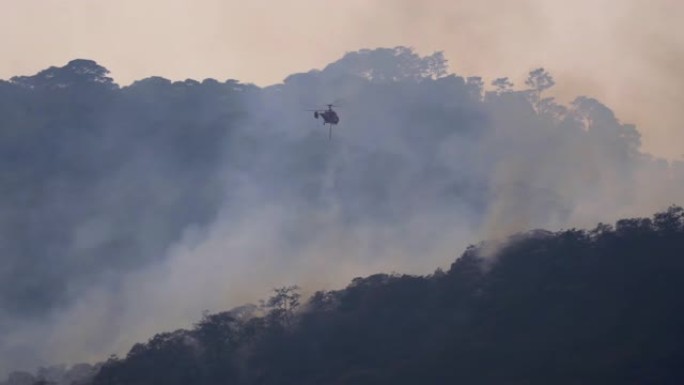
(126, 210)
(600, 306)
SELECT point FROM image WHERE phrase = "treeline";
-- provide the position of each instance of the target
(599, 306)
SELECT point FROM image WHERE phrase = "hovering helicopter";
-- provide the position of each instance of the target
(329, 116)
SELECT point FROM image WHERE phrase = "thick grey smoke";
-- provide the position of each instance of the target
(225, 190)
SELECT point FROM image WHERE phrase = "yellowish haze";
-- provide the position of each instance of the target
(627, 53)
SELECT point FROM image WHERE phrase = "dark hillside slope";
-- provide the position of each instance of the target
(575, 307)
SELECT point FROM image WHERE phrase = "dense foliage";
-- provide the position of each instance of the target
(572, 307)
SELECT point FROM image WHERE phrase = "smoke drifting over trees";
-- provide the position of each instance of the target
(574, 306)
(129, 210)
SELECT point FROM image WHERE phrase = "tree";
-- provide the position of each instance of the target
(282, 305)
(77, 72)
(538, 80)
(389, 65)
(671, 221)
(502, 85)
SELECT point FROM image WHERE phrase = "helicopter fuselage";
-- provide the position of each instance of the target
(329, 116)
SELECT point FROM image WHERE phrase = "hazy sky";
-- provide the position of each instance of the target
(627, 53)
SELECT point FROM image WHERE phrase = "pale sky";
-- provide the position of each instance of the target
(627, 53)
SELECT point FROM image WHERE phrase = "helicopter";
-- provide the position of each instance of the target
(329, 116)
